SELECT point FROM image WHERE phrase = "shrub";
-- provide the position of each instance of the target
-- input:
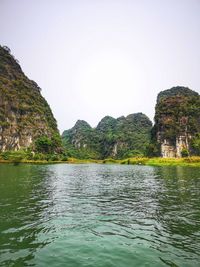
(64, 158)
(54, 157)
(184, 153)
(43, 144)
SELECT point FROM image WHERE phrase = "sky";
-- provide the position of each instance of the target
(94, 58)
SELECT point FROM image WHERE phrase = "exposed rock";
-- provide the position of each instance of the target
(177, 121)
(24, 113)
(167, 149)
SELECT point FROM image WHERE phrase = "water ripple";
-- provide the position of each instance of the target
(99, 215)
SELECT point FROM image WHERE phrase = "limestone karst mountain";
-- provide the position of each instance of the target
(177, 123)
(116, 138)
(26, 120)
(176, 132)
(25, 115)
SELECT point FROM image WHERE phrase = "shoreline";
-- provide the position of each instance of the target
(189, 161)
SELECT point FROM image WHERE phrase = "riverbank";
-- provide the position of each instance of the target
(188, 161)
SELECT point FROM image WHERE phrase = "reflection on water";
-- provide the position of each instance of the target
(99, 215)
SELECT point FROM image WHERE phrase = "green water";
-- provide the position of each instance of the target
(99, 216)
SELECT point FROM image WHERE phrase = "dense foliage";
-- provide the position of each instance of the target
(116, 138)
(46, 145)
(177, 113)
(24, 114)
(195, 144)
(81, 141)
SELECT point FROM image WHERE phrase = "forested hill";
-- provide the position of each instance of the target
(26, 119)
(117, 138)
(176, 132)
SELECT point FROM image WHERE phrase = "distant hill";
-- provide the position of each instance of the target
(116, 138)
(80, 141)
(176, 131)
(25, 116)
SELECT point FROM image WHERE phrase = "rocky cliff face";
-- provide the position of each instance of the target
(116, 138)
(24, 113)
(177, 121)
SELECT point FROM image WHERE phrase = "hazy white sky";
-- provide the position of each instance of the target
(103, 57)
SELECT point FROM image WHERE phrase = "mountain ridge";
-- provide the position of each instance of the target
(27, 122)
(110, 138)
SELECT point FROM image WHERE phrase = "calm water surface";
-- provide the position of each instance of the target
(99, 216)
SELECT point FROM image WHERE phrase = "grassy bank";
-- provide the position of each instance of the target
(39, 158)
(28, 157)
(189, 161)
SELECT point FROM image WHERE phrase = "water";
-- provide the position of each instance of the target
(99, 216)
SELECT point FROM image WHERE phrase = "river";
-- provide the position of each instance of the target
(93, 215)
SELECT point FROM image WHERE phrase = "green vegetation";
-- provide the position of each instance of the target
(30, 156)
(81, 141)
(28, 129)
(116, 138)
(185, 153)
(23, 156)
(24, 114)
(176, 123)
(187, 161)
(195, 144)
(47, 145)
(177, 114)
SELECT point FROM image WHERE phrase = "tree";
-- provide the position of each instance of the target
(44, 145)
(196, 144)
